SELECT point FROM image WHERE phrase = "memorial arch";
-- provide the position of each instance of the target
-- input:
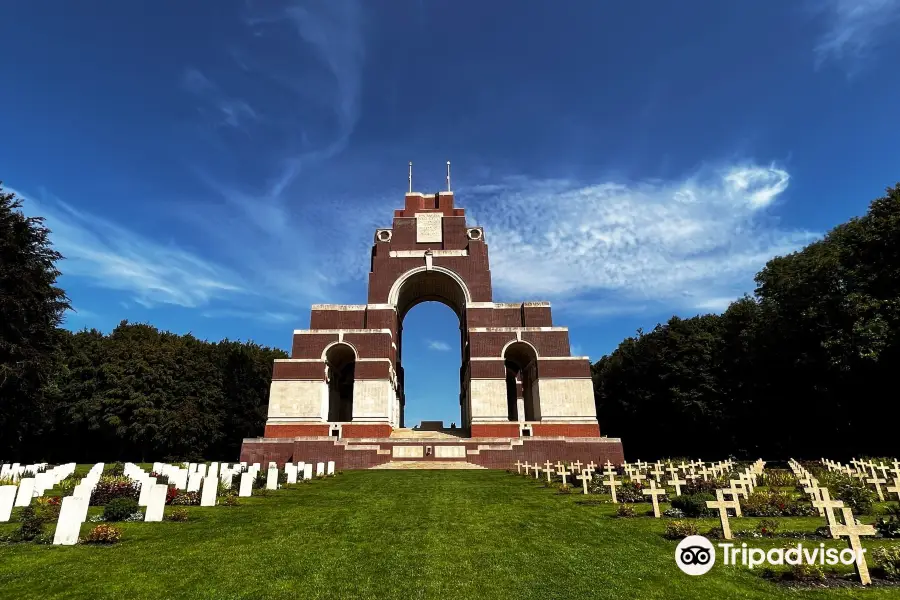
(345, 375)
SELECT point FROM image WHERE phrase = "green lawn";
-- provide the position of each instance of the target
(393, 534)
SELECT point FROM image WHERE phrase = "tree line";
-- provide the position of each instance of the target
(804, 367)
(807, 366)
(136, 393)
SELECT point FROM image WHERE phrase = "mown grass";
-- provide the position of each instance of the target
(395, 534)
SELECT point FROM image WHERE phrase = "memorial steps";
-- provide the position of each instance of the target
(428, 464)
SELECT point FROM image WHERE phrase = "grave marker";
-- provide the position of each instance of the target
(851, 530)
(208, 494)
(722, 505)
(828, 505)
(612, 484)
(654, 493)
(584, 477)
(156, 503)
(72, 514)
(7, 499)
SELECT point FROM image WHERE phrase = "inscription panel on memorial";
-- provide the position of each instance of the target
(428, 227)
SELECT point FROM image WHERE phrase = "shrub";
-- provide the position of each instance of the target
(171, 493)
(777, 478)
(675, 513)
(630, 492)
(230, 500)
(699, 486)
(715, 533)
(120, 509)
(774, 503)
(889, 528)
(693, 505)
(186, 499)
(109, 488)
(179, 514)
(564, 489)
(625, 510)
(67, 485)
(260, 481)
(767, 527)
(886, 562)
(676, 530)
(855, 495)
(33, 520)
(807, 572)
(115, 469)
(103, 534)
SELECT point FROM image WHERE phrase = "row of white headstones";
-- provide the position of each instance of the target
(191, 477)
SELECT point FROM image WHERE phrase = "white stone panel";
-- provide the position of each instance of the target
(567, 398)
(409, 451)
(372, 400)
(487, 399)
(298, 399)
(72, 514)
(429, 227)
(450, 451)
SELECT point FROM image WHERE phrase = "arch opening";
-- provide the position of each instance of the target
(522, 398)
(434, 285)
(340, 370)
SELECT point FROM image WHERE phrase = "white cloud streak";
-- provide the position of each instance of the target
(854, 27)
(614, 248)
(116, 258)
(439, 346)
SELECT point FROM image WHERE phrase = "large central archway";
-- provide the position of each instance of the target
(431, 285)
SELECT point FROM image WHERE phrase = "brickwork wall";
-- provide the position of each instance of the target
(301, 370)
(371, 345)
(494, 317)
(510, 430)
(549, 343)
(489, 343)
(311, 345)
(298, 430)
(564, 368)
(533, 450)
(537, 316)
(337, 319)
(566, 429)
(487, 369)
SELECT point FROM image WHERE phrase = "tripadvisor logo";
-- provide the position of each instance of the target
(695, 555)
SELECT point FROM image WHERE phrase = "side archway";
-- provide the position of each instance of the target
(522, 397)
(340, 373)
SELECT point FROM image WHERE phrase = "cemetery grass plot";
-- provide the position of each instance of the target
(395, 534)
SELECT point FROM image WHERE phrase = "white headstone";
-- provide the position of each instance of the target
(246, 485)
(72, 514)
(272, 477)
(208, 495)
(146, 485)
(26, 491)
(194, 482)
(330, 468)
(156, 503)
(307, 471)
(301, 469)
(320, 469)
(291, 471)
(214, 470)
(7, 499)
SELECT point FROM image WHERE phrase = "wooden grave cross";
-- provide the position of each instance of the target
(722, 505)
(654, 493)
(851, 530)
(612, 484)
(828, 505)
(585, 476)
(548, 469)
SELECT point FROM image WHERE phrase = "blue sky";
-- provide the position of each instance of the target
(218, 167)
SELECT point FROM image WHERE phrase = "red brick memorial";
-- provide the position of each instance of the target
(341, 396)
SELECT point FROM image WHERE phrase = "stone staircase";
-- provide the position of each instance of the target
(406, 433)
(427, 464)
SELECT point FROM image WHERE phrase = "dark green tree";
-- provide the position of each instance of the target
(31, 309)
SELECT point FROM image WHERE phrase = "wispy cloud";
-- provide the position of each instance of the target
(311, 99)
(113, 257)
(256, 315)
(439, 346)
(233, 111)
(617, 247)
(854, 27)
